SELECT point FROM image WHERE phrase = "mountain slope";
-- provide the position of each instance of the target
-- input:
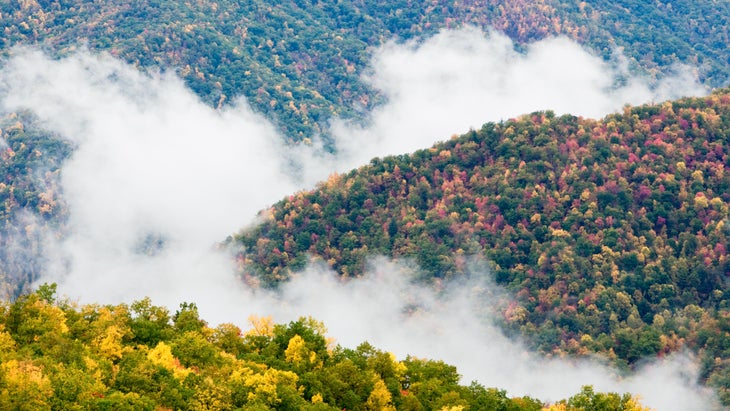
(612, 234)
(30, 162)
(301, 61)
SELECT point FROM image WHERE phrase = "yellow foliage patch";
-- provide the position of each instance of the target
(162, 355)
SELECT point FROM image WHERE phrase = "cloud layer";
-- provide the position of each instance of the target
(157, 178)
(460, 79)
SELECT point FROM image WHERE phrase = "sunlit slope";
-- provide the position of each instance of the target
(301, 62)
(613, 234)
(56, 355)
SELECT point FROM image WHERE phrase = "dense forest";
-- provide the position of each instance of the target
(60, 356)
(301, 61)
(612, 234)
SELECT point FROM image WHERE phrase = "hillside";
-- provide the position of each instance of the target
(59, 356)
(30, 161)
(613, 233)
(301, 62)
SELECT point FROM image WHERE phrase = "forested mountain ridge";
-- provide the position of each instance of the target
(613, 234)
(301, 62)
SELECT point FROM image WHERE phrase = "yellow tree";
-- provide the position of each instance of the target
(24, 387)
(162, 355)
(380, 398)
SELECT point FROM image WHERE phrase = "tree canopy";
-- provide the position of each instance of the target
(612, 234)
(55, 355)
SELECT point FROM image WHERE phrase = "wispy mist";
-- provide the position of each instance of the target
(157, 178)
(456, 324)
(460, 79)
(23, 241)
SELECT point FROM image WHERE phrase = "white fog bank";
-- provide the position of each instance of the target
(461, 79)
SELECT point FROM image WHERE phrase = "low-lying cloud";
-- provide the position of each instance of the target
(456, 325)
(157, 178)
(460, 79)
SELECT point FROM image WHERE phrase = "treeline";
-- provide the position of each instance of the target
(55, 355)
(612, 234)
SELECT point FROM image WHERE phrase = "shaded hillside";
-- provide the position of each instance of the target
(300, 61)
(612, 234)
(58, 356)
(30, 160)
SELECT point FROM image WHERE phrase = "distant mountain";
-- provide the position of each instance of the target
(300, 61)
(613, 233)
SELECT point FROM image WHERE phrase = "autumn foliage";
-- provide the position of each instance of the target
(612, 234)
(55, 355)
